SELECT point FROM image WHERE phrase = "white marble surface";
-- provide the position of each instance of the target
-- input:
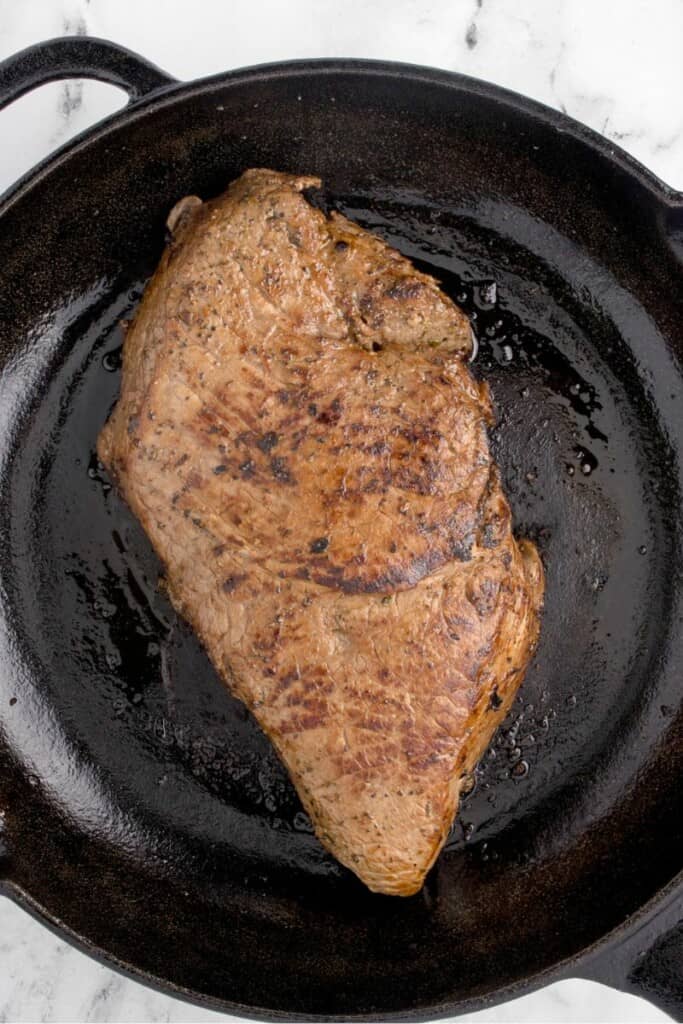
(617, 67)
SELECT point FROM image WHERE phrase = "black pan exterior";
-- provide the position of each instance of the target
(144, 811)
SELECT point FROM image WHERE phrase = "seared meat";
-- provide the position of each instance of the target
(300, 436)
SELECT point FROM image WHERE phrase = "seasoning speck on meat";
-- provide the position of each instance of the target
(300, 437)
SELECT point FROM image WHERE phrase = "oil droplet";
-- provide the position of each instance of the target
(642, 550)
(587, 461)
(488, 294)
(520, 769)
(507, 353)
(111, 361)
(302, 823)
(570, 470)
(599, 582)
(95, 472)
(525, 394)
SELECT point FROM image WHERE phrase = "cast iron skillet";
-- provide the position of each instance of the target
(145, 817)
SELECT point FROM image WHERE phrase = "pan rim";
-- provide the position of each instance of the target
(570, 967)
(164, 96)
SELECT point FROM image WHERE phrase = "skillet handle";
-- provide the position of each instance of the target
(80, 57)
(659, 976)
(649, 963)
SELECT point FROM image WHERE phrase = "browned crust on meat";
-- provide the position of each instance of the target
(302, 441)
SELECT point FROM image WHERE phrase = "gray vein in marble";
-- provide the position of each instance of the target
(472, 34)
(553, 77)
(100, 1005)
(663, 145)
(70, 99)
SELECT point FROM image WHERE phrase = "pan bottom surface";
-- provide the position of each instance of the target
(164, 797)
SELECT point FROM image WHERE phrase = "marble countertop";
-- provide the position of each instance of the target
(621, 73)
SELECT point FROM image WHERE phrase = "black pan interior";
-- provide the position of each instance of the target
(146, 810)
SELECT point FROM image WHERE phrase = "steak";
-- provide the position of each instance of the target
(300, 436)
